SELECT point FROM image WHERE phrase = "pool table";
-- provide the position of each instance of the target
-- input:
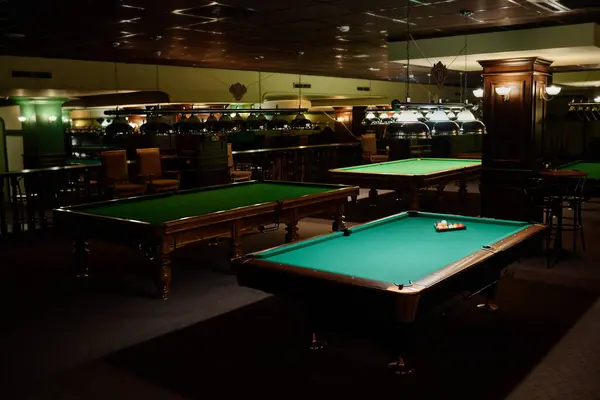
(408, 176)
(399, 265)
(159, 224)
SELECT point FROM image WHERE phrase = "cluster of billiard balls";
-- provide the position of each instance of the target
(445, 226)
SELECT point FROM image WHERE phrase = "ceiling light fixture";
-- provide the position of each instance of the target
(343, 28)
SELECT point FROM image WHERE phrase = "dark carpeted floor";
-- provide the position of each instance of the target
(107, 338)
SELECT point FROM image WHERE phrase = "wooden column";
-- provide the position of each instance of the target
(513, 146)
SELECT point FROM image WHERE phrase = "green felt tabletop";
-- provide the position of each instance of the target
(398, 249)
(592, 168)
(413, 166)
(171, 207)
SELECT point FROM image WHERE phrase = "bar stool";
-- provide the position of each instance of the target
(564, 190)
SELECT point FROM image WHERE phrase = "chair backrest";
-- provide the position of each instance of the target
(114, 166)
(369, 143)
(229, 155)
(149, 161)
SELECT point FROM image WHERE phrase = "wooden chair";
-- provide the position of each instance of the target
(114, 177)
(150, 168)
(236, 176)
(368, 142)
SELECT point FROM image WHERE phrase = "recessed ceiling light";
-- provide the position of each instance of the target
(134, 7)
(383, 32)
(339, 49)
(384, 46)
(343, 28)
(373, 69)
(341, 39)
(361, 56)
(339, 56)
(14, 35)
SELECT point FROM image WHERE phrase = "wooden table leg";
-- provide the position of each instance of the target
(440, 192)
(413, 198)
(161, 263)
(163, 275)
(462, 190)
(291, 229)
(339, 222)
(236, 236)
(81, 251)
(372, 197)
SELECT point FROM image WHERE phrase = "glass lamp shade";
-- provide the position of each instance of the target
(371, 115)
(225, 123)
(156, 123)
(192, 124)
(278, 122)
(446, 128)
(238, 120)
(371, 121)
(211, 122)
(119, 126)
(503, 90)
(407, 116)
(419, 115)
(301, 122)
(252, 122)
(396, 116)
(465, 116)
(439, 116)
(451, 115)
(406, 130)
(553, 90)
(473, 128)
(478, 93)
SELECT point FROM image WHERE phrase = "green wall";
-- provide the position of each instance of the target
(41, 135)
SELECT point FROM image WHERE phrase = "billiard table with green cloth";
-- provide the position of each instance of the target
(409, 176)
(591, 167)
(159, 224)
(398, 260)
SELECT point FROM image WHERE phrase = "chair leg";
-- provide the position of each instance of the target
(580, 223)
(575, 224)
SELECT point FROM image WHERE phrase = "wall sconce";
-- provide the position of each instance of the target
(52, 118)
(503, 91)
(547, 92)
(22, 118)
(340, 119)
(478, 93)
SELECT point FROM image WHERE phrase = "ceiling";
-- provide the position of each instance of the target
(346, 38)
